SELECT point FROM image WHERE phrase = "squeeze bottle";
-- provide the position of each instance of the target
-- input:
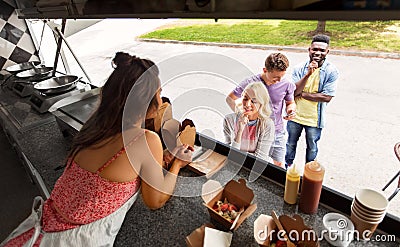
(291, 185)
(311, 187)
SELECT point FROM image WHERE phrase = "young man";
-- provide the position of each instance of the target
(316, 81)
(281, 91)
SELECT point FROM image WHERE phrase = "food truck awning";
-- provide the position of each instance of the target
(215, 9)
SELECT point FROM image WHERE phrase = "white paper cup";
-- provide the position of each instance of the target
(371, 200)
(364, 228)
(366, 217)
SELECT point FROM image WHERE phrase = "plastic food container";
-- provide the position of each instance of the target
(338, 229)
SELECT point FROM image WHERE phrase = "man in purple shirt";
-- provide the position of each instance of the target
(281, 91)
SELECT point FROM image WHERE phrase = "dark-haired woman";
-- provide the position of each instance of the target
(111, 158)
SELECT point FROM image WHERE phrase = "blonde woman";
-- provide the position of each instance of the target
(250, 128)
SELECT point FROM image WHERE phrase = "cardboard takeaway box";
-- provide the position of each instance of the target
(173, 137)
(265, 230)
(237, 193)
(186, 136)
(264, 226)
(207, 163)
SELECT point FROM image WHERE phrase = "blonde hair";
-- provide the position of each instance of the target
(262, 96)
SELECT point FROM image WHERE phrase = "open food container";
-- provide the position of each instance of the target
(172, 132)
(265, 230)
(186, 136)
(307, 236)
(338, 228)
(207, 163)
(235, 193)
(267, 233)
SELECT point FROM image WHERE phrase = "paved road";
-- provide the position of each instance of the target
(362, 123)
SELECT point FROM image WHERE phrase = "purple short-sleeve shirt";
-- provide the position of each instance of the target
(279, 93)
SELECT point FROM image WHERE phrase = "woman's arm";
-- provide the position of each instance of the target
(227, 128)
(265, 140)
(232, 137)
(241, 123)
(157, 188)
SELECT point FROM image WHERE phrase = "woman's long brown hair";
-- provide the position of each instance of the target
(106, 121)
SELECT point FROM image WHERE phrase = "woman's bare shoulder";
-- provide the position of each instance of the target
(152, 137)
(151, 140)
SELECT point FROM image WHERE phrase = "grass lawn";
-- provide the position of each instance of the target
(381, 36)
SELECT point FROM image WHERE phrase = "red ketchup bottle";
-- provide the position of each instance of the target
(311, 187)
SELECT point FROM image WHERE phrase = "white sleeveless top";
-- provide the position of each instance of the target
(98, 233)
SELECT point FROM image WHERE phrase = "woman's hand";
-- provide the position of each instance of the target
(242, 122)
(167, 158)
(183, 155)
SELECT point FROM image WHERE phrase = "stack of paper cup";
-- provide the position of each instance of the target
(367, 211)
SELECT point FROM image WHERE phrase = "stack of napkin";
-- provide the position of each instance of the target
(207, 236)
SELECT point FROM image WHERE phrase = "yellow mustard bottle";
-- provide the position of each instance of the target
(291, 185)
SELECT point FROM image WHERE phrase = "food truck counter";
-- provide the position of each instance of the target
(44, 149)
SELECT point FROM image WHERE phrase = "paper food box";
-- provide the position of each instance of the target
(297, 224)
(164, 114)
(174, 136)
(186, 136)
(208, 163)
(234, 193)
(264, 229)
